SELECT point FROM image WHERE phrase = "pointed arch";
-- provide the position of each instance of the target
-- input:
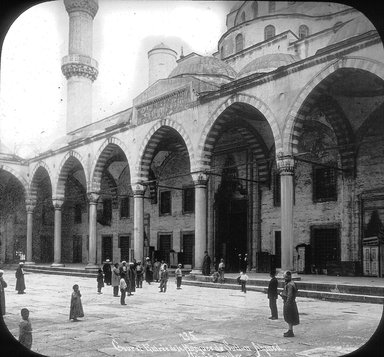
(214, 123)
(100, 160)
(62, 174)
(150, 142)
(36, 176)
(20, 178)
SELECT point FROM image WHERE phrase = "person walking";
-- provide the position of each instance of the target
(243, 282)
(131, 279)
(206, 264)
(221, 270)
(25, 329)
(123, 288)
(272, 295)
(179, 276)
(76, 309)
(107, 270)
(3, 285)
(164, 279)
(100, 281)
(139, 275)
(290, 311)
(156, 270)
(20, 282)
(148, 271)
(115, 279)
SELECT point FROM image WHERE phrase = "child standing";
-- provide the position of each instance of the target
(243, 282)
(76, 309)
(272, 295)
(221, 270)
(100, 281)
(25, 329)
(123, 289)
(179, 275)
(163, 279)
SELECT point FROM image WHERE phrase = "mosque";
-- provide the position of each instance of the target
(272, 147)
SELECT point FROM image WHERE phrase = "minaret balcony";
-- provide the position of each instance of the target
(80, 66)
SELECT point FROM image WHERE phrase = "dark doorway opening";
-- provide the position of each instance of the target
(106, 250)
(325, 247)
(165, 246)
(277, 249)
(77, 249)
(124, 248)
(188, 244)
(46, 249)
(231, 211)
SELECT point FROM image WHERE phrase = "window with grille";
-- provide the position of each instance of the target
(188, 199)
(239, 42)
(165, 202)
(124, 207)
(272, 6)
(78, 213)
(276, 189)
(324, 184)
(303, 31)
(269, 32)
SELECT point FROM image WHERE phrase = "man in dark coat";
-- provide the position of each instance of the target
(107, 272)
(206, 264)
(291, 314)
(272, 295)
(20, 283)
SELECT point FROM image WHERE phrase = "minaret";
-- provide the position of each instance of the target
(162, 60)
(79, 67)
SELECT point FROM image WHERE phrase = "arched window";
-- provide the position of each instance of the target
(303, 31)
(239, 42)
(243, 17)
(269, 32)
(272, 6)
(255, 9)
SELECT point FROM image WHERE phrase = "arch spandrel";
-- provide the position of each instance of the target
(101, 157)
(18, 176)
(304, 100)
(63, 170)
(211, 126)
(141, 169)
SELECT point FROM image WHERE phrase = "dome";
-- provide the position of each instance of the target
(203, 66)
(267, 63)
(161, 46)
(355, 27)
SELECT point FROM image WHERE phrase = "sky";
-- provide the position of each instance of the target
(33, 89)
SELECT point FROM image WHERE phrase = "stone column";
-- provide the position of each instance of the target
(30, 205)
(285, 165)
(200, 181)
(92, 198)
(57, 204)
(138, 220)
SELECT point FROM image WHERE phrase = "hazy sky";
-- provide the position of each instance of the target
(33, 89)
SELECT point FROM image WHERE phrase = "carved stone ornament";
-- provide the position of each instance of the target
(163, 106)
(57, 202)
(138, 189)
(200, 178)
(93, 197)
(88, 6)
(30, 205)
(80, 70)
(285, 164)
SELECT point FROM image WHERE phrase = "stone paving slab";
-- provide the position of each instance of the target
(194, 318)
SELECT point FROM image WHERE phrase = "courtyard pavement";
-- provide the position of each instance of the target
(191, 322)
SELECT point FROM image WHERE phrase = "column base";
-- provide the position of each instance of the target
(280, 274)
(29, 263)
(57, 265)
(196, 272)
(91, 267)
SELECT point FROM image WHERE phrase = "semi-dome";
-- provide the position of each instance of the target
(203, 66)
(267, 63)
(355, 27)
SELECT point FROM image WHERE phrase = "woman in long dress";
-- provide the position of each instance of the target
(291, 314)
(76, 309)
(156, 270)
(3, 285)
(20, 283)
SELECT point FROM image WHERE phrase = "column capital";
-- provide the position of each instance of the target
(138, 189)
(200, 178)
(88, 6)
(93, 197)
(57, 203)
(285, 164)
(30, 204)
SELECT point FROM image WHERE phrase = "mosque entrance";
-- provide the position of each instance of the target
(231, 212)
